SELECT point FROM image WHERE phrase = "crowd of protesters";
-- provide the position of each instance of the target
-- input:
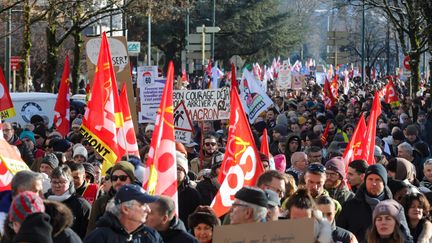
(65, 198)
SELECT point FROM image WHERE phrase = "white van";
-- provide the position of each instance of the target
(27, 104)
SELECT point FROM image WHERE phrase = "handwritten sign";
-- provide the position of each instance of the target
(286, 231)
(204, 105)
(150, 97)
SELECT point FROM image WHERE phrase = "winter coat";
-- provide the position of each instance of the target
(98, 209)
(208, 189)
(81, 212)
(342, 235)
(61, 221)
(177, 233)
(341, 194)
(188, 199)
(110, 230)
(356, 214)
(425, 235)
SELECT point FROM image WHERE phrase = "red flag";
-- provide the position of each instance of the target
(161, 157)
(334, 87)
(184, 77)
(241, 165)
(353, 150)
(127, 136)
(209, 69)
(391, 96)
(6, 106)
(103, 118)
(369, 145)
(264, 144)
(233, 76)
(329, 100)
(61, 109)
(325, 134)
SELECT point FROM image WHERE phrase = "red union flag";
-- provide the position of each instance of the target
(369, 142)
(103, 117)
(328, 96)
(334, 87)
(241, 165)
(353, 150)
(265, 144)
(61, 109)
(161, 157)
(127, 136)
(390, 95)
(6, 106)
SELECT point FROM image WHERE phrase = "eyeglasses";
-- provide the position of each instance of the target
(121, 177)
(210, 144)
(315, 167)
(332, 174)
(55, 182)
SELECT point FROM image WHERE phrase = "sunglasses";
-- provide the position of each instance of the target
(315, 167)
(210, 144)
(121, 177)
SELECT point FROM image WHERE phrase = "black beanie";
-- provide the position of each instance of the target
(377, 169)
(51, 160)
(36, 228)
(252, 195)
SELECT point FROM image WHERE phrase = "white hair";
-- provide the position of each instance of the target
(259, 213)
(406, 146)
(115, 209)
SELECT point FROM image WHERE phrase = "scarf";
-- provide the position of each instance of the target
(373, 201)
(60, 198)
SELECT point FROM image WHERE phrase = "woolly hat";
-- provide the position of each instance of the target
(252, 195)
(377, 169)
(280, 162)
(60, 145)
(23, 205)
(76, 122)
(29, 135)
(126, 167)
(281, 129)
(89, 170)
(35, 228)
(207, 217)
(388, 207)
(182, 161)
(51, 160)
(80, 150)
(336, 164)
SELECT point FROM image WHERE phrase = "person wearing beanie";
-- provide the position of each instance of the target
(80, 154)
(58, 145)
(122, 173)
(23, 205)
(335, 180)
(202, 223)
(75, 127)
(356, 214)
(387, 223)
(36, 228)
(249, 206)
(188, 196)
(277, 133)
(48, 164)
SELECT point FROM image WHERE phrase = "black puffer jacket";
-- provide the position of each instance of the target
(109, 230)
(177, 233)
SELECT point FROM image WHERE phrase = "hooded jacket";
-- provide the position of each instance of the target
(177, 233)
(288, 153)
(110, 230)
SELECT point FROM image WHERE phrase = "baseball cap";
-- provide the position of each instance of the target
(133, 192)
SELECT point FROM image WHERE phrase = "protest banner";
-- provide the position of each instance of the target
(205, 105)
(284, 79)
(150, 93)
(297, 81)
(287, 231)
(320, 77)
(182, 124)
(120, 61)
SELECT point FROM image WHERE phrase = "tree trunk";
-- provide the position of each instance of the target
(27, 44)
(78, 46)
(52, 58)
(414, 63)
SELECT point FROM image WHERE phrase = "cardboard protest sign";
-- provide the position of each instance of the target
(284, 79)
(289, 231)
(320, 77)
(182, 124)
(120, 61)
(204, 105)
(297, 81)
(150, 93)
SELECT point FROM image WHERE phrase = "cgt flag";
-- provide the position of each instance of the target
(127, 135)
(353, 150)
(369, 144)
(6, 106)
(241, 165)
(61, 109)
(161, 162)
(329, 99)
(103, 117)
(390, 94)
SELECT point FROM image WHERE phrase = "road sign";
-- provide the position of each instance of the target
(197, 38)
(134, 47)
(207, 29)
(406, 63)
(15, 62)
(182, 123)
(197, 47)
